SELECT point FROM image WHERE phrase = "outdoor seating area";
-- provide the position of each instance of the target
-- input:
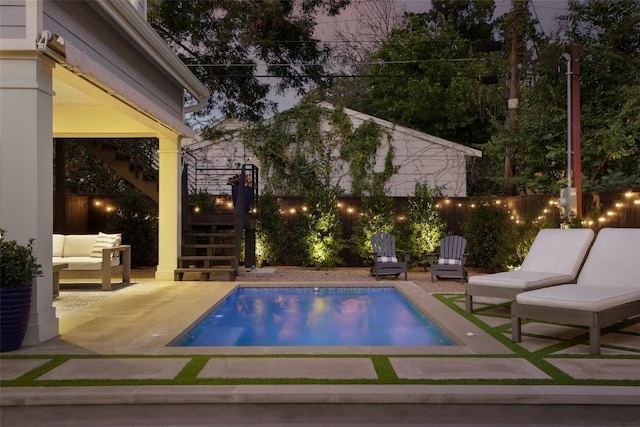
(91, 256)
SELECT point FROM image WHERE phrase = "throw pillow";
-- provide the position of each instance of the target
(449, 261)
(104, 241)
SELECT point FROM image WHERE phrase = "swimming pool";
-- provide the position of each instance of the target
(315, 316)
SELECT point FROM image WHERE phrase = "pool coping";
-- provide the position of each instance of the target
(469, 338)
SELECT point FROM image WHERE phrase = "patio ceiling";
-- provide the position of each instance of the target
(83, 109)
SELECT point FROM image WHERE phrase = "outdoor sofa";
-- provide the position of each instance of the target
(100, 256)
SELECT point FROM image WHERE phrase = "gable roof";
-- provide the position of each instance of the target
(407, 131)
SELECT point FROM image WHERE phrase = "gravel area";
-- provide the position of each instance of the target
(346, 274)
(340, 274)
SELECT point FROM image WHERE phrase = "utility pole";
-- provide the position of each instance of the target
(575, 127)
(571, 195)
(516, 28)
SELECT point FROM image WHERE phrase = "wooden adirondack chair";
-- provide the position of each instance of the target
(385, 257)
(450, 261)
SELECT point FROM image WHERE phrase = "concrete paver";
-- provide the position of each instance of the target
(117, 369)
(599, 369)
(467, 368)
(317, 367)
(10, 369)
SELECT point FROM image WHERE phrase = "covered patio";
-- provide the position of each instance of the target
(84, 69)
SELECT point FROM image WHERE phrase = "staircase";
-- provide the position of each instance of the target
(208, 248)
(142, 172)
(211, 242)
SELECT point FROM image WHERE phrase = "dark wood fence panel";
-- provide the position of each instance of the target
(88, 214)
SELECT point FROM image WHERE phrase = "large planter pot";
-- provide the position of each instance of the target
(248, 196)
(15, 304)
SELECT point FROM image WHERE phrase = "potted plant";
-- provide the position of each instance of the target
(18, 267)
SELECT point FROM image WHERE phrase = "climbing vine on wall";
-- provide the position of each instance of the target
(309, 146)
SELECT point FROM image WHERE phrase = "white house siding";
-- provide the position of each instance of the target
(419, 157)
(13, 19)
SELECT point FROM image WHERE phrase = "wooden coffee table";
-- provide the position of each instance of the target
(57, 266)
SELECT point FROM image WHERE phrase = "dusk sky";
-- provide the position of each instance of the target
(545, 10)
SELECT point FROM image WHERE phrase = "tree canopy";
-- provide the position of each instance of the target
(229, 44)
(430, 76)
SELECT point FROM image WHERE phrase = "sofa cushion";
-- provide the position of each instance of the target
(85, 262)
(104, 241)
(78, 245)
(58, 245)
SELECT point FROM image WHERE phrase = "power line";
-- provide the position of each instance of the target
(310, 64)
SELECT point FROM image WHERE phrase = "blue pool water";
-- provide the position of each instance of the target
(348, 316)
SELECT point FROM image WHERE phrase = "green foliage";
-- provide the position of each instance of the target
(271, 236)
(136, 218)
(318, 234)
(205, 202)
(490, 236)
(86, 175)
(299, 155)
(378, 216)
(222, 41)
(18, 263)
(423, 228)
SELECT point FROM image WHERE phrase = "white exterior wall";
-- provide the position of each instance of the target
(419, 156)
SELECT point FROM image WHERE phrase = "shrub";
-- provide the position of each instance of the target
(423, 228)
(490, 235)
(319, 231)
(271, 236)
(136, 218)
(378, 216)
(18, 263)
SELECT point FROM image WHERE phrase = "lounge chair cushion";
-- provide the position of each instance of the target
(580, 297)
(519, 279)
(558, 251)
(387, 259)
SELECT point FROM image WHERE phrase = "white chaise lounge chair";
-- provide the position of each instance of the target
(555, 257)
(607, 290)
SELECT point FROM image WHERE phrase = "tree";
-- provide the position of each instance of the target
(425, 76)
(608, 33)
(610, 103)
(229, 43)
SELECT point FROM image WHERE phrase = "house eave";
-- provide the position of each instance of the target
(126, 17)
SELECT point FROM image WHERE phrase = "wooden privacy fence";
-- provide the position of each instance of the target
(88, 214)
(605, 209)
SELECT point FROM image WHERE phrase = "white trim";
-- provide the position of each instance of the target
(129, 20)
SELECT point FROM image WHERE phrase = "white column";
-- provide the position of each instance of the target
(169, 207)
(26, 172)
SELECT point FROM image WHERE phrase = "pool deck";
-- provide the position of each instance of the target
(123, 336)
